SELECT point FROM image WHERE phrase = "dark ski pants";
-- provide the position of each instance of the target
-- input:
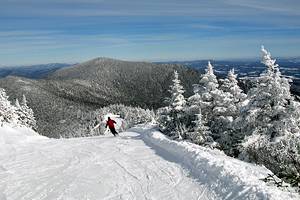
(113, 131)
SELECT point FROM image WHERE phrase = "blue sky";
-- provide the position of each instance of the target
(44, 31)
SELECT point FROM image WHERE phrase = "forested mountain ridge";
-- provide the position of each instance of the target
(106, 81)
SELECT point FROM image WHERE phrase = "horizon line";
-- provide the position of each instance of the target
(149, 60)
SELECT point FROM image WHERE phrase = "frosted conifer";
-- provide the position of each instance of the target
(201, 134)
(208, 88)
(177, 100)
(271, 118)
(171, 117)
(7, 111)
(28, 117)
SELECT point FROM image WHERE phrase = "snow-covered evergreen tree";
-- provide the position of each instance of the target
(228, 104)
(177, 100)
(171, 117)
(27, 117)
(208, 89)
(230, 85)
(17, 103)
(201, 134)
(213, 101)
(208, 99)
(7, 111)
(271, 121)
(20, 113)
(194, 103)
(193, 108)
(208, 82)
(270, 109)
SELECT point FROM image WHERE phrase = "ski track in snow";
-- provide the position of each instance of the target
(103, 167)
(140, 164)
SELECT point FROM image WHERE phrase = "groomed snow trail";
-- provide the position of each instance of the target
(94, 168)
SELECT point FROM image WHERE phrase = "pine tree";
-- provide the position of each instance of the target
(171, 117)
(227, 110)
(213, 101)
(17, 104)
(7, 111)
(177, 100)
(271, 113)
(230, 85)
(201, 134)
(208, 81)
(267, 112)
(20, 113)
(194, 103)
(208, 90)
(28, 118)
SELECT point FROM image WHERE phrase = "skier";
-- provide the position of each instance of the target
(110, 123)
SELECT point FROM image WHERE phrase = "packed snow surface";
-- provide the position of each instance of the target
(140, 164)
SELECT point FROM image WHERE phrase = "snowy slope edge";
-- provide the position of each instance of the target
(14, 135)
(229, 178)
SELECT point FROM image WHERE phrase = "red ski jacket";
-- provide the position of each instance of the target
(110, 123)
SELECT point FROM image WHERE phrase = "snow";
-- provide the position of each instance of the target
(229, 178)
(15, 135)
(140, 164)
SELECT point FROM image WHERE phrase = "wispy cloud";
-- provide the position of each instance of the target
(143, 29)
(18, 41)
(288, 7)
(147, 8)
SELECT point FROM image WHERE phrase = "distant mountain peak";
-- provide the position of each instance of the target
(104, 59)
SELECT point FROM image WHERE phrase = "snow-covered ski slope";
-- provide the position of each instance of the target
(140, 164)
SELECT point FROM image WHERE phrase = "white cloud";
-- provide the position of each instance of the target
(288, 7)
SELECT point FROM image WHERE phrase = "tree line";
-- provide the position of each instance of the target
(17, 114)
(261, 126)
